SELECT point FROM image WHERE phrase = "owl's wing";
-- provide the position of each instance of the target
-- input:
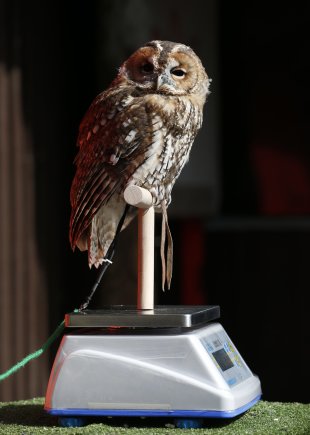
(111, 148)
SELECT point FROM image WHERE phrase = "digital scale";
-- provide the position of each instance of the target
(162, 361)
(171, 362)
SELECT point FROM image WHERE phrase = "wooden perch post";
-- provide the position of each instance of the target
(142, 199)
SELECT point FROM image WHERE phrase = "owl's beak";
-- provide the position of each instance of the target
(163, 80)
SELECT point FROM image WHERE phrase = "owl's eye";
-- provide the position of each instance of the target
(147, 68)
(179, 73)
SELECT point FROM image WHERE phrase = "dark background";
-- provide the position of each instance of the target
(250, 252)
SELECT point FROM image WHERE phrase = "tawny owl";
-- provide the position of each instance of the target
(139, 131)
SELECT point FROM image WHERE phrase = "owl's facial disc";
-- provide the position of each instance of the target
(165, 68)
(142, 67)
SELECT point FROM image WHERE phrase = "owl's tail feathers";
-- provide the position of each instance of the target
(166, 262)
(107, 260)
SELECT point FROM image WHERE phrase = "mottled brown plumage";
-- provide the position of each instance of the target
(140, 131)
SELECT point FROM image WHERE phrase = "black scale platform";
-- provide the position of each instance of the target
(162, 316)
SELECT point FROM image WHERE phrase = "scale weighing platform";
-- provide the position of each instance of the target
(171, 361)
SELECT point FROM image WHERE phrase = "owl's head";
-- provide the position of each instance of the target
(167, 68)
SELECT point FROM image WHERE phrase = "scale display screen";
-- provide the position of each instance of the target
(223, 359)
(226, 358)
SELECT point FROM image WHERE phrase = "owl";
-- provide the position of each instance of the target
(139, 131)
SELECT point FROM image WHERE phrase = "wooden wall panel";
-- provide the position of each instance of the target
(23, 292)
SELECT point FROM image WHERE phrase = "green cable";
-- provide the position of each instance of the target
(35, 354)
(61, 326)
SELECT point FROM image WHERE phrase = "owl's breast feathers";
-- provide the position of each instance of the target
(127, 137)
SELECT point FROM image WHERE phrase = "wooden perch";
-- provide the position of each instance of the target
(142, 199)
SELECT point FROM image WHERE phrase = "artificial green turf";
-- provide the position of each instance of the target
(28, 418)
